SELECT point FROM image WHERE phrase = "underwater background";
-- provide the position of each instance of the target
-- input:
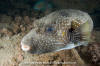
(27, 7)
(16, 18)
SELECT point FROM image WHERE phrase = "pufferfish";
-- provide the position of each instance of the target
(60, 30)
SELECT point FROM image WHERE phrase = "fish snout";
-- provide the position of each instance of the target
(25, 47)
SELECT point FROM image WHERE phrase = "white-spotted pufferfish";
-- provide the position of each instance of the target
(60, 30)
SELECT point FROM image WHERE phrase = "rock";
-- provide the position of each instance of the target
(27, 19)
(5, 19)
(0, 35)
(94, 51)
(7, 32)
(16, 28)
(18, 19)
(20, 58)
(23, 29)
(90, 53)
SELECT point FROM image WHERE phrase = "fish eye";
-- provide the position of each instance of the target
(49, 29)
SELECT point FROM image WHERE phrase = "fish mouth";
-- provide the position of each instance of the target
(25, 47)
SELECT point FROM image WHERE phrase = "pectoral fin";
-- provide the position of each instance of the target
(72, 45)
(69, 46)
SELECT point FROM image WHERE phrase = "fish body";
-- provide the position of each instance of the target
(60, 30)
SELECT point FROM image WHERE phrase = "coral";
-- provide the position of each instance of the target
(94, 52)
